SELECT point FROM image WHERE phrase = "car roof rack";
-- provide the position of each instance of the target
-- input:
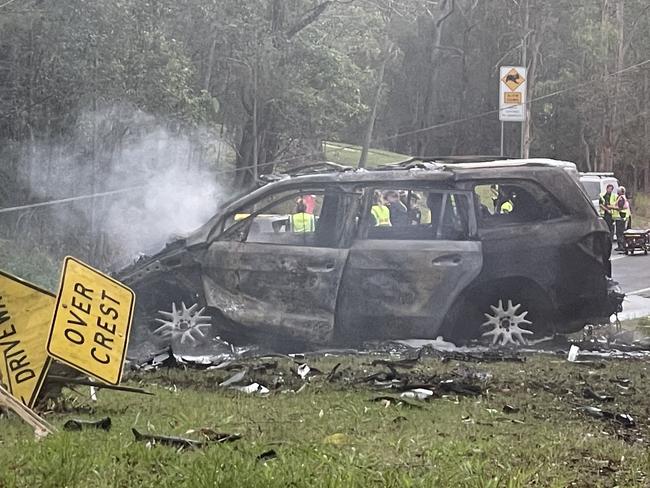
(320, 167)
(427, 162)
(597, 174)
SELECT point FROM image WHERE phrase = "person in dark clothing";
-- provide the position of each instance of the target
(413, 209)
(398, 212)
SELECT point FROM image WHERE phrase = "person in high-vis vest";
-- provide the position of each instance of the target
(620, 223)
(607, 207)
(301, 221)
(623, 204)
(380, 212)
(507, 207)
(507, 204)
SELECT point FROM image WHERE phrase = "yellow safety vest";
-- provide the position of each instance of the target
(612, 203)
(303, 222)
(507, 207)
(382, 215)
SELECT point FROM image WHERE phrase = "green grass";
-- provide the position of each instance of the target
(349, 154)
(641, 211)
(29, 263)
(451, 441)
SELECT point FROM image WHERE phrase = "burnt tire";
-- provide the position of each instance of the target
(476, 315)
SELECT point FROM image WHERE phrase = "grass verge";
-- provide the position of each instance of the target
(330, 434)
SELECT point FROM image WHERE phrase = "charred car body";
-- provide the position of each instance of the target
(499, 250)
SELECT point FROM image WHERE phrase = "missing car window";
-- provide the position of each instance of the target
(513, 202)
(418, 214)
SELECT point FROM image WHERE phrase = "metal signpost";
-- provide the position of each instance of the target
(512, 97)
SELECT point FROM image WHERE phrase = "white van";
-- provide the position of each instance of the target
(596, 183)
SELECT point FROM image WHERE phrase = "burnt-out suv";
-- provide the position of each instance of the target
(498, 251)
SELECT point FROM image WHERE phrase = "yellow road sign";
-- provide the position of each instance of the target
(91, 323)
(513, 79)
(25, 317)
(512, 97)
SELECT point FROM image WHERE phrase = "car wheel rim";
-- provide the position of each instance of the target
(184, 325)
(506, 325)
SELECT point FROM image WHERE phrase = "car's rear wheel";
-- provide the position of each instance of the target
(503, 316)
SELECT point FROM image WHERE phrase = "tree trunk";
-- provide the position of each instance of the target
(375, 104)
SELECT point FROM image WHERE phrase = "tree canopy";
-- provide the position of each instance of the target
(265, 81)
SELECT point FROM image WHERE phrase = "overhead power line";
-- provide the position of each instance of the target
(528, 102)
(308, 155)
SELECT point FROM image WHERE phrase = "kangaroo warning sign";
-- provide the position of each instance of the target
(25, 317)
(512, 94)
(91, 322)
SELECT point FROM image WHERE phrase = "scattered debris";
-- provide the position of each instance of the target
(234, 379)
(76, 424)
(484, 356)
(303, 370)
(332, 375)
(267, 455)
(179, 442)
(417, 394)
(251, 389)
(214, 436)
(408, 363)
(624, 419)
(573, 353)
(510, 409)
(388, 400)
(592, 395)
(460, 388)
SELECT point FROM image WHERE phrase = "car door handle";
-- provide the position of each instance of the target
(449, 260)
(328, 268)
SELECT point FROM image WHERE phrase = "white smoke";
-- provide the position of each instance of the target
(178, 173)
(174, 202)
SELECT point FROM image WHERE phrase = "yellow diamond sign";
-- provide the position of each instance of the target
(513, 79)
(25, 317)
(91, 323)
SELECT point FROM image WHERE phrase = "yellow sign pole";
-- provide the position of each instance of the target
(25, 317)
(91, 322)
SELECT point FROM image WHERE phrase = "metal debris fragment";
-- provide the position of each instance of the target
(236, 378)
(77, 424)
(179, 442)
(624, 419)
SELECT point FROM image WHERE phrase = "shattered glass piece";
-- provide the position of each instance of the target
(303, 370)
(252, 389)
(417, 394)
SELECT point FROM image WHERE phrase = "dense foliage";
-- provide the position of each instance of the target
(270, 79)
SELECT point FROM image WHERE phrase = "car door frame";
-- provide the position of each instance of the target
(362, 315)
(290, 290)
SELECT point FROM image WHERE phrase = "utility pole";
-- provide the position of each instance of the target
(524, 47)
(255, 141)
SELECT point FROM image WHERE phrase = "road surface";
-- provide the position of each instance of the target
(633, 275)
